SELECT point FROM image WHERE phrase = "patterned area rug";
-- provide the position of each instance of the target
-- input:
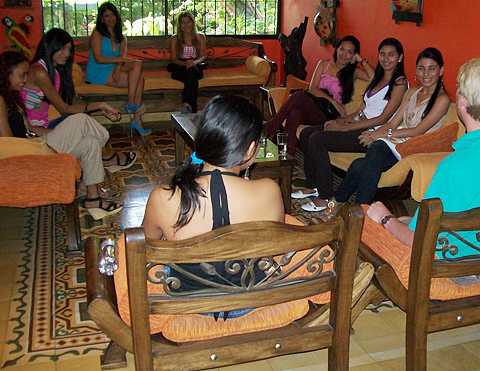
(48, 316)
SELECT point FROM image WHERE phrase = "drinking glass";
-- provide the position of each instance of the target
(282, 141)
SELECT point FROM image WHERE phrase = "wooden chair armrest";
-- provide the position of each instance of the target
(385, 277)
(102, 300)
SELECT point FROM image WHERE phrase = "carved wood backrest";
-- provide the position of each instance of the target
(154, 51)
(247, 244)
(432, 220)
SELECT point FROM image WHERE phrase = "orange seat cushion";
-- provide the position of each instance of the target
(398, 256)
(192, 327)
(37, 180)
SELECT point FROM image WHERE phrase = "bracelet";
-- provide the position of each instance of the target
(389, 133)
(386, 219)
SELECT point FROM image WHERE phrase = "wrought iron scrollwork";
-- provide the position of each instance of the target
(447, 248)
(277, 271)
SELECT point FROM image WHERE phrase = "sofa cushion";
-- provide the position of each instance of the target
(258, 66)
(11, 146)
(440, 140)
(36, 180)
(256, 73)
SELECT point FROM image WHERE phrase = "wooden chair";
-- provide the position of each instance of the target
(322, 326)
(454, 306)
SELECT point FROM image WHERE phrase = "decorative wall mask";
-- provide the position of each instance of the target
(17, 33)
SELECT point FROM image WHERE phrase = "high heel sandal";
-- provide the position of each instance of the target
(136, 125)
(136, 110)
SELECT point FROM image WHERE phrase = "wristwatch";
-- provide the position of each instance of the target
(386, 219)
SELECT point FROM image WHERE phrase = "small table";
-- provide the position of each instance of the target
(185, 128)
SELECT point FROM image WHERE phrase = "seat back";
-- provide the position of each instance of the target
(273, 246)
(427, 276)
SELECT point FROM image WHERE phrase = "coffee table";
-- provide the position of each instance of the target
(278, 169)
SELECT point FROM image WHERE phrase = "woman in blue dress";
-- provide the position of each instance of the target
(109, 65)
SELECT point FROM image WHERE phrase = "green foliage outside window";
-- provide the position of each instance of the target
(158, 17)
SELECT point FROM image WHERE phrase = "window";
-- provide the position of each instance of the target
(157, 17)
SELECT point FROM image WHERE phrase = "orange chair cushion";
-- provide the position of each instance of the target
(36, 180)
(440, 140)
(192, 327)
(398, 256)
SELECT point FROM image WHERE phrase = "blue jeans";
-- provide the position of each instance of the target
(364, 174)
(54, 123)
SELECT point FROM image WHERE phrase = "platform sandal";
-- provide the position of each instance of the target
(135, 110)
(130, 158)
(101, 212)
(136, 125)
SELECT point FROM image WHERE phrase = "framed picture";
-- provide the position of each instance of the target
(17, 3)
(407, 11)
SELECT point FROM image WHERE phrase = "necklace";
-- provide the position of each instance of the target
(30, 134)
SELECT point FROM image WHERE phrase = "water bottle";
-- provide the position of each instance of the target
(108, 258)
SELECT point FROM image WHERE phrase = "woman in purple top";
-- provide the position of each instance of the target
(333, 80)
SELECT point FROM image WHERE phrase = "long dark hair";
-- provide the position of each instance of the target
(345, 75)
(227, 127)
(100, 26)
(379, 71)
(52, 42)
(432, 53)
(8, 62)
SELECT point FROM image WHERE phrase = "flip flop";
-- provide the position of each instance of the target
(100, 212)
(130, 158)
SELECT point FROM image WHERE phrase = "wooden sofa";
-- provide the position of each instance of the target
(188, 341)
(235, 66)
(410, 177)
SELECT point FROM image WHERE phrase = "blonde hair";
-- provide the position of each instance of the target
(469, 86)
(181, 34)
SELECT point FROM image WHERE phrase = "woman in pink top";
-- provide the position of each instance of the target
(332, 80)
(187, 52)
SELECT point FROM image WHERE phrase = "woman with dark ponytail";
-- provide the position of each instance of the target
(207, 185)
(422, 110)
(227, 141)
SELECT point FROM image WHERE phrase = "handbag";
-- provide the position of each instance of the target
(325, 105)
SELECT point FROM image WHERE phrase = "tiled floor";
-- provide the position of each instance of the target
(377, 343)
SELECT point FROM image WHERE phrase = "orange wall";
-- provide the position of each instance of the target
(445, 25)
(450, 26)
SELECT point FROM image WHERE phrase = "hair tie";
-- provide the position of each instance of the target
(195, 159)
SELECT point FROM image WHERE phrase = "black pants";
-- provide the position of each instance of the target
(189, 77)
(364, 174)
(315, 144)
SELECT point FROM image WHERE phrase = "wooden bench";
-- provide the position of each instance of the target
(235, 66)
